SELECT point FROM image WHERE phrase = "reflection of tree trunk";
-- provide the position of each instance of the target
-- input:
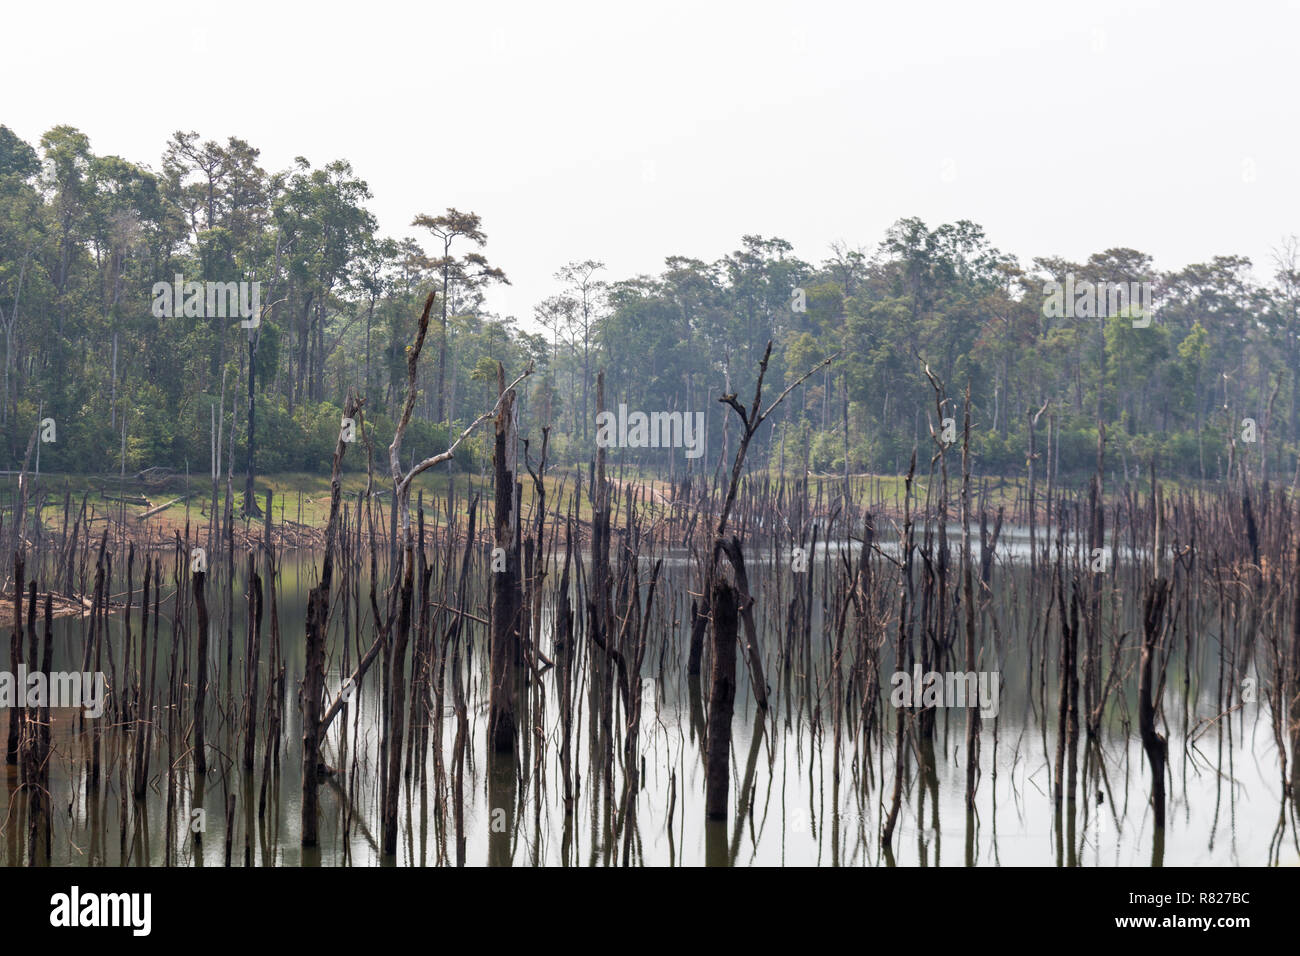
(699, 622)
(928, 780)
(699, 728)
(501, 808)
(196, 801)
(1158, 848)
(722, 698)
(715, 844)
(747, 782)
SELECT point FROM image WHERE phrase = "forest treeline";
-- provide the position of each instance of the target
(1209, 385)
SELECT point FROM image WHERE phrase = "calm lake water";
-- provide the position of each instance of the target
(790, 806)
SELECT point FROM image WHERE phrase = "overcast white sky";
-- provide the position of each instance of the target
(632, 132)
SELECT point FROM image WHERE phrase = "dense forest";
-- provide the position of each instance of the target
(1209, 385)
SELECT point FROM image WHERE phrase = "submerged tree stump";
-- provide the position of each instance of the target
(201, 677)
(506, 597)
(313, 682)
(1153, 742)
(722, 700)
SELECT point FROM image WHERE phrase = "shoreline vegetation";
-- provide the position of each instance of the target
(149, 516)
(208, 313)
(152, 515)
(487, 599)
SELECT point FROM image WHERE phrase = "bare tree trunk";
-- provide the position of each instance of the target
(1295, 686)
(313, 680)
(506, 599)
(15, 657)
(201, 674)
(968, 598)
(722, 698)
(902, 651)
(1153, 608)
(312, 685)
(396, 705)
(254, 644)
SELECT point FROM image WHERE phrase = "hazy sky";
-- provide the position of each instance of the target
(632, 132)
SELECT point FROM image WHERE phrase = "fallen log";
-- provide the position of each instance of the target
(153, 511)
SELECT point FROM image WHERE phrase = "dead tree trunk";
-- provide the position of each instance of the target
(142, 717)
(396, 704)
(254, 644)
(902, 657)
(506, 598)
(722, 698)
(401, 502)
(15, 656)
(968, 599)
(312, 685)
(1295, 686)
(201, 672)
(751, 420)
(565, 658)
(1153, 609)
(313, 680)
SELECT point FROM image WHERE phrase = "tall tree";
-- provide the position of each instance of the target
(586, 291)
(470, 268)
